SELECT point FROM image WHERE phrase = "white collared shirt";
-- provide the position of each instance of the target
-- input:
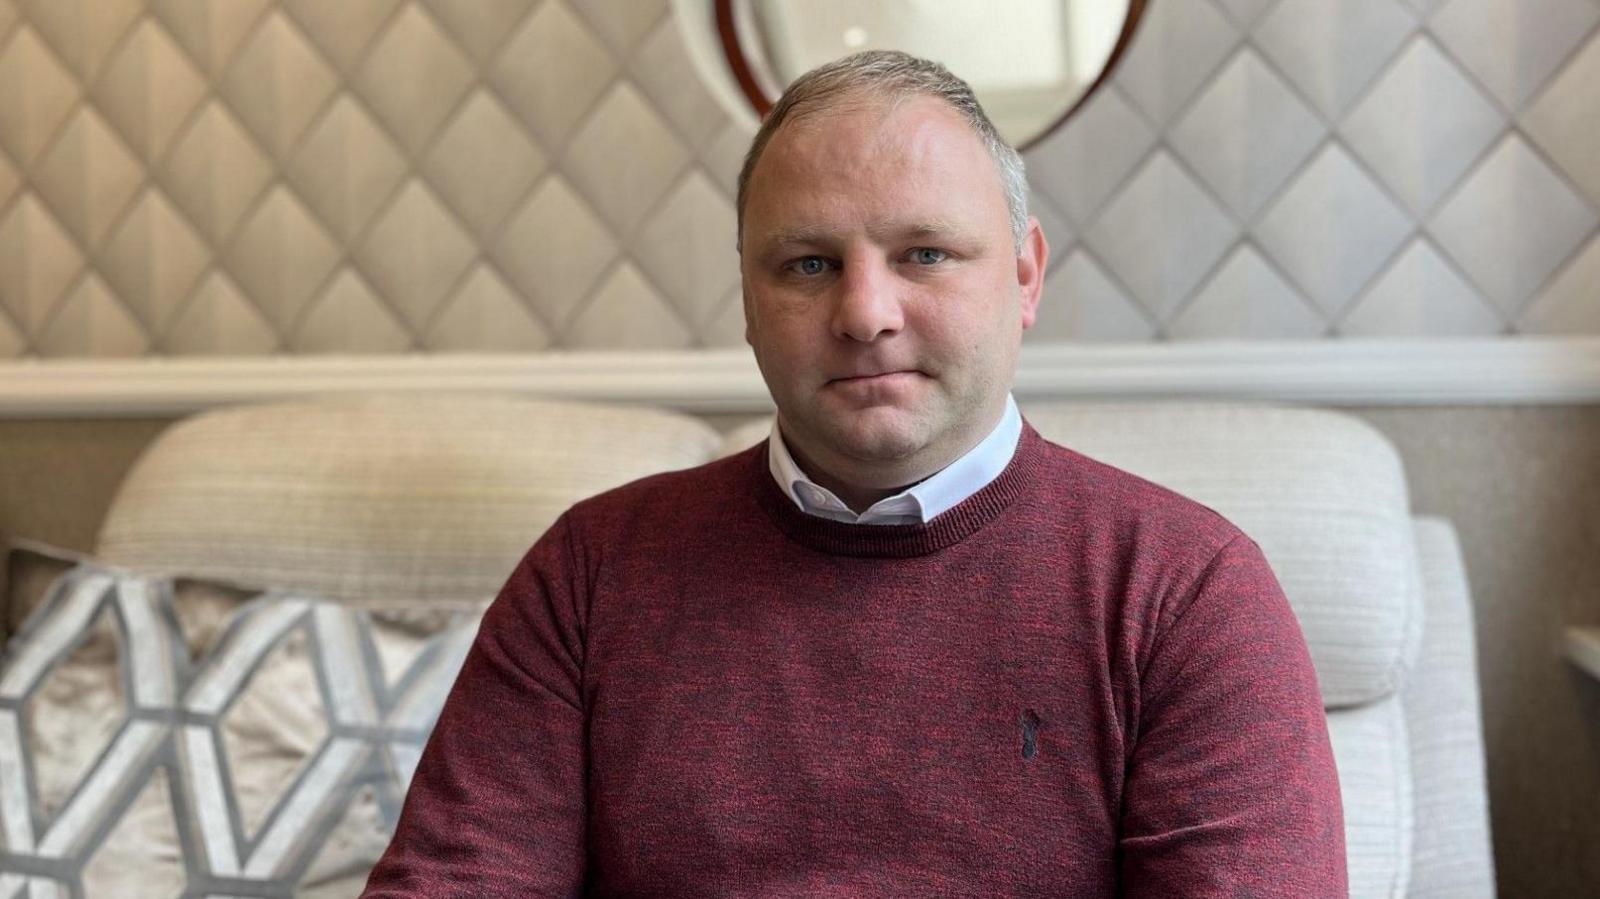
(920, 502)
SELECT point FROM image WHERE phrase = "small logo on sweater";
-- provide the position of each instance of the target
(1031, 722)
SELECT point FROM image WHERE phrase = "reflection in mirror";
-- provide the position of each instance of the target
(1031, 62)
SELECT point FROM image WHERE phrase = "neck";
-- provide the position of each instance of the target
(902, 540)
(853, 494)
(860, 486)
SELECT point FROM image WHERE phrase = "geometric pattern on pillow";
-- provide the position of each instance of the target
(161, 808)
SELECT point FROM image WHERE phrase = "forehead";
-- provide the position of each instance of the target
(871, 130)
(870, 163)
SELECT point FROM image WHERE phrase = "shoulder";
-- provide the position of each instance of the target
(646, 521)
(697, 493)
(1109, 493)
(1163, 549)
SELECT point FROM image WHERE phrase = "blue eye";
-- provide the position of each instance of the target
(809, 265)
(928, 256)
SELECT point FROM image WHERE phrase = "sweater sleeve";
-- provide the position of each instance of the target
(1231, 789)
(497, 804)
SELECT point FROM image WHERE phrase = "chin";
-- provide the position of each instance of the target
(871, 438)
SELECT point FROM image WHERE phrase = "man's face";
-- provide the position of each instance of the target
(883, 294)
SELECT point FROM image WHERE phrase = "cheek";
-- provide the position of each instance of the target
(785, 349)
(952, 327)
(794, 330)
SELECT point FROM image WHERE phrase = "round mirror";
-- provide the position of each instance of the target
(1031, 62)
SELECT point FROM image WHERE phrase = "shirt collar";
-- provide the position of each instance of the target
(917, 504)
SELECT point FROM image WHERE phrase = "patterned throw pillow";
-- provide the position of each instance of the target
(161, 737)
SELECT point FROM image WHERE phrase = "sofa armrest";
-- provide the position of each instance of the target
(1451, 851)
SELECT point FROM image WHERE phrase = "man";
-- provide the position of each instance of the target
(788, 673)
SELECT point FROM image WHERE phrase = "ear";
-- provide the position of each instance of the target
(749, 320)
(1030, 271)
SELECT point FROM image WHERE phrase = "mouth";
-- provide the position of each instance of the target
(884, 376)
(889, 386)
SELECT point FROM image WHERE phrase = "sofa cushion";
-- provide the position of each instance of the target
(265, 737)
(377, 495)
(1322, 493)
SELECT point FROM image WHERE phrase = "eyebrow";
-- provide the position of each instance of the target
(812, 234)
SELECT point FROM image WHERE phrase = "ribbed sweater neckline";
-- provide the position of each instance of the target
(899, 540)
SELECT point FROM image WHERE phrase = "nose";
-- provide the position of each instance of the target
(866, 305)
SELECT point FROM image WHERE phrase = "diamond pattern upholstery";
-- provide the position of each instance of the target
(256, 177)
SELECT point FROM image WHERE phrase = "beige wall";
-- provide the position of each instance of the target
(1521, 484)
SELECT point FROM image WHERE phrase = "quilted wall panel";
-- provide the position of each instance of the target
(256, 177)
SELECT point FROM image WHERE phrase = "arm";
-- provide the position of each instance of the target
(497, 805)
(1231, 789)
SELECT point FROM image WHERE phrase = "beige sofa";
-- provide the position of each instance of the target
(433, 498)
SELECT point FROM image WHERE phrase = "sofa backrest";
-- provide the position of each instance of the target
(379, 496)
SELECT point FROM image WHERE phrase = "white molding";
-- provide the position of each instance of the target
(1583, 649)
(1338, 371)
(1434, 371)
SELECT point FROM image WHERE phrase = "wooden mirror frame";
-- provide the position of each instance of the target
(745, 75)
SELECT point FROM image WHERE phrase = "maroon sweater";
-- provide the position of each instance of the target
(1074, 683)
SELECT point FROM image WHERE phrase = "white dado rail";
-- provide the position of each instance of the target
(1583, 648)
(1349, 372)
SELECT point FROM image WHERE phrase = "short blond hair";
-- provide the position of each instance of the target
(895, 76)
